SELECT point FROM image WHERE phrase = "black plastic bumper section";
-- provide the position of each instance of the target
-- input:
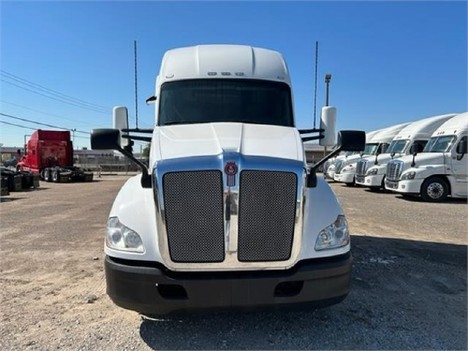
(151, 289)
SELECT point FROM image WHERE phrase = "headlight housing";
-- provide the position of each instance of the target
(408, 175)
(333, 236)
(120, 237)
(348, 168)
(372, 171)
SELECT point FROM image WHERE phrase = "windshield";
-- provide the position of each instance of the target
(397, 146)
(370, 149)
(440, 143)
(225, 100)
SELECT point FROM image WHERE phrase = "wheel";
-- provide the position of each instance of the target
(56, 176)
(46, 175)
(434, 189)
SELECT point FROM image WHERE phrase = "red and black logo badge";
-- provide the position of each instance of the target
(231, 170)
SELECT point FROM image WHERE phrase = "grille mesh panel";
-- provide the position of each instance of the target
(194, 216)
(267, 208)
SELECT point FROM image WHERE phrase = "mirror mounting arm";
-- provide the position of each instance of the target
(145, 177)
(312, 176)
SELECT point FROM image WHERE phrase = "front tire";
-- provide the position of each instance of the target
(434, 189)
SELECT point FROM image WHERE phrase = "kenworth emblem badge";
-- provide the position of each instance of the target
(231, 170)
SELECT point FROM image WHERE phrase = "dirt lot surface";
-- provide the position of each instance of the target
(409, 281)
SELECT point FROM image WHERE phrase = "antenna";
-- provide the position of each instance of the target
(136, 83)
(315, 87)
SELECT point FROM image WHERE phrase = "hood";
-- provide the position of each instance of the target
(210, 139)
(423, 159)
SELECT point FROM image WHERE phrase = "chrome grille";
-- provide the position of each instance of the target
(267, 210)
(339, 166)
(361, 167)
(193, 204)
(394, 170)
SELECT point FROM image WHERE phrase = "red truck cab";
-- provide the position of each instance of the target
(49, 153)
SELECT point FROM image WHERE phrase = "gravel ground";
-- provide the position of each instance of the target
(409, 281)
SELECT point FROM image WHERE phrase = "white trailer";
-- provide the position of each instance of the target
(370, 171)
(441, 170)
(227, 213)
(345, 169)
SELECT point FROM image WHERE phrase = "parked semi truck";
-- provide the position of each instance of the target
(227, 215)
(330, 165)
(379, 142)
(49, 153)
(441, 170)
(370, 171)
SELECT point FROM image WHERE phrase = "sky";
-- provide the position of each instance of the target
(66, 64)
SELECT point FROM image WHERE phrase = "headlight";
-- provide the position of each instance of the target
(333, 236)
(408, 175)
(120, 237)
(372, 171)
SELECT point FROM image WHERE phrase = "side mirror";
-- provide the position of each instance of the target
(462, 147)
(327, 124)
(120, 122)
(416, 149)
(348, 140)
(383, 149)
(105, 139)
(109, 139)
(351, 140)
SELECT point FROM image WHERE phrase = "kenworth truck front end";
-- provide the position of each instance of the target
(227, 214)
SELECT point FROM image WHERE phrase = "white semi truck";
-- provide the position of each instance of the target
(329, 166)
(441, 170)
(227, 215)
(370, 171)
(345, 169)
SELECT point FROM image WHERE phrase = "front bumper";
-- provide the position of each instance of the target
(412, 186)
(344, 177)
(372, 181)
(149, 288)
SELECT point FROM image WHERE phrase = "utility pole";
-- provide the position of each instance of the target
(327, 82)
(327, 99)
(136, 82)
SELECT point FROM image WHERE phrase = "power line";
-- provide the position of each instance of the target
(54, 98)
(52, 91)
(21, 126)
(41, 112)
(16, 125)
(42, 124)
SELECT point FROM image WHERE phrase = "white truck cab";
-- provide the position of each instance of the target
(227, 215)
(441, 170)
(370, 171)
(345, 169)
